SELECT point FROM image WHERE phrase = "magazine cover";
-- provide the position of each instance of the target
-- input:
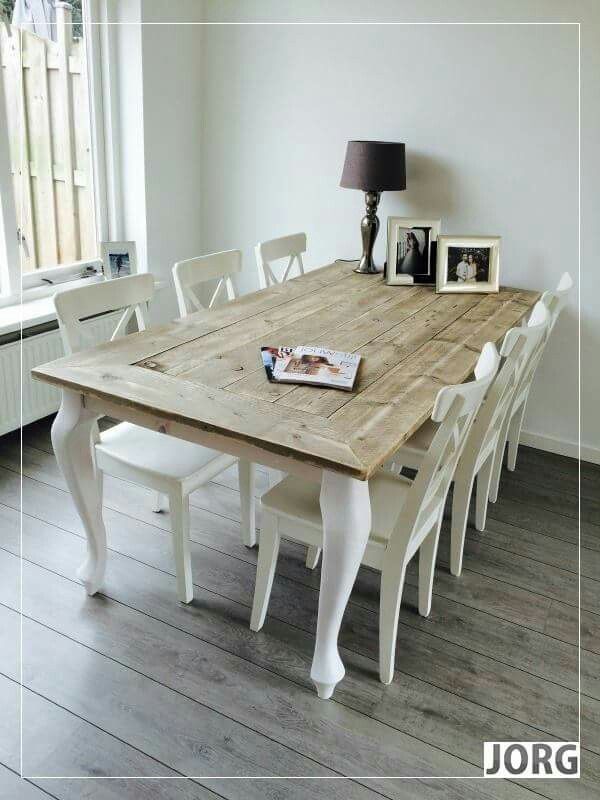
(317, 366)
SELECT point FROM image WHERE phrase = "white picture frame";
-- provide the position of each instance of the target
(118, 257)
(463, 266)
(400, 225)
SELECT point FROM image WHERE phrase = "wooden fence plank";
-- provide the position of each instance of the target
(10, 42)
(37, 111)
(63, 135)
(48, 116)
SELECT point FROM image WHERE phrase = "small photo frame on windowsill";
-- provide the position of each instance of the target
(119, 259)
(411, 251)
(468, 264)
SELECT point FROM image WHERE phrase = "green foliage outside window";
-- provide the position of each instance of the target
(6, 10)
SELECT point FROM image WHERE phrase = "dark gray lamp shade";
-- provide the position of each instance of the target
(374, 166)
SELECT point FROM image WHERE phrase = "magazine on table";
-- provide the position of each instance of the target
(315, 366)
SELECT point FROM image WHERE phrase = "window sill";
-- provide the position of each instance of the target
(38, 310)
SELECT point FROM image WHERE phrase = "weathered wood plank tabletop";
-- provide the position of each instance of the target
(205, 372)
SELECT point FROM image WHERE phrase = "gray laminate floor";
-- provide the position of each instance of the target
(133, 685)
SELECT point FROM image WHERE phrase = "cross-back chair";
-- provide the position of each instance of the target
(169, 466)
(554, 301)
(406, 515)
(477, 459)
(222, 267)
(286, 247)
(193, 272)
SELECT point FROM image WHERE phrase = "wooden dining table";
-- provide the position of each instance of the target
(201, 379)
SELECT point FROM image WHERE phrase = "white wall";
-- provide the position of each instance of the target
(489, 116)
(244, 130)
(160, 125)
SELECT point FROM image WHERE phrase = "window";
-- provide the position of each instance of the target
(49, 206)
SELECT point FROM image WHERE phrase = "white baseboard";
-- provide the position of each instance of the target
(560, 446)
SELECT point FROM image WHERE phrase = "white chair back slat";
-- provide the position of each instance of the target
(536, 333)
(194, 272)
(290, 247)
(518, 348)
(73, 306)
(455, 409)
(556, 300)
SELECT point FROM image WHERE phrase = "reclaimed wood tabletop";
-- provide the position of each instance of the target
(205, 372)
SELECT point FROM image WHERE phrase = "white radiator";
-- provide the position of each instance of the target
(39, 399)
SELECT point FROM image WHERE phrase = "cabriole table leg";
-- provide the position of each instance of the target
(346, 511)
(72, 434)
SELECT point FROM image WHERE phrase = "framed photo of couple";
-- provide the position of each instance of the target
(468, 264)
(411, 251)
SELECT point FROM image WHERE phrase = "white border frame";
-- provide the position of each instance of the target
(356, 777)
(393, 223)
(443, 286)
(117, 248)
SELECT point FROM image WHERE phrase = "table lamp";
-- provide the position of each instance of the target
(374, 167)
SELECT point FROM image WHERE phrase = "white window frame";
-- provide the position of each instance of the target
(10, 267)
(99, 50)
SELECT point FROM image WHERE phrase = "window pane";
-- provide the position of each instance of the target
(48, 126)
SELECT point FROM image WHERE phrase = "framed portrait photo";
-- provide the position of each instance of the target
(468, 264)
(118, 259)
(411, 251)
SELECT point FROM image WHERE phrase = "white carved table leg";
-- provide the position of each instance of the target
(346, 511)
(72, 437)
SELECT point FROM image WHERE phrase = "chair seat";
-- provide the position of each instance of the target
(298, 499)
(160, 454)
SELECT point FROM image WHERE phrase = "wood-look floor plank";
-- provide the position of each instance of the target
(435, 710)
(180, 730)
(207, 675)
(421, 707)
(473, 590)
(58, 744)
(12, 787)
(166, 724)
(297, 605)
(561, 477)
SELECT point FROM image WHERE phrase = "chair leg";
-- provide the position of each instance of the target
(180, 526)
(461, 498)
(265, 570)
(313, 554)
(247, 475)
(390, 597)
(514, 434)
(497, 467)
(427, 557)
(160, 501)
(484, 477)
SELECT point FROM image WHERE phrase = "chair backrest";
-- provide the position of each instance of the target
(195, 271)
(455, 409)
(518, 347)
(537, 330)
(74, 305)
(290, 247)
(556, 300)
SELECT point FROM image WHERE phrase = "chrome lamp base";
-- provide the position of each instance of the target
(369, 228)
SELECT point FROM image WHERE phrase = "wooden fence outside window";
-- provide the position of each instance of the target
(48, 117)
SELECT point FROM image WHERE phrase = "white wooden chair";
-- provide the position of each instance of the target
(477, 459)
(554, 301)
(290, 247)
(167, 465)
(406, 515)
(222, 267)
(188, 274)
